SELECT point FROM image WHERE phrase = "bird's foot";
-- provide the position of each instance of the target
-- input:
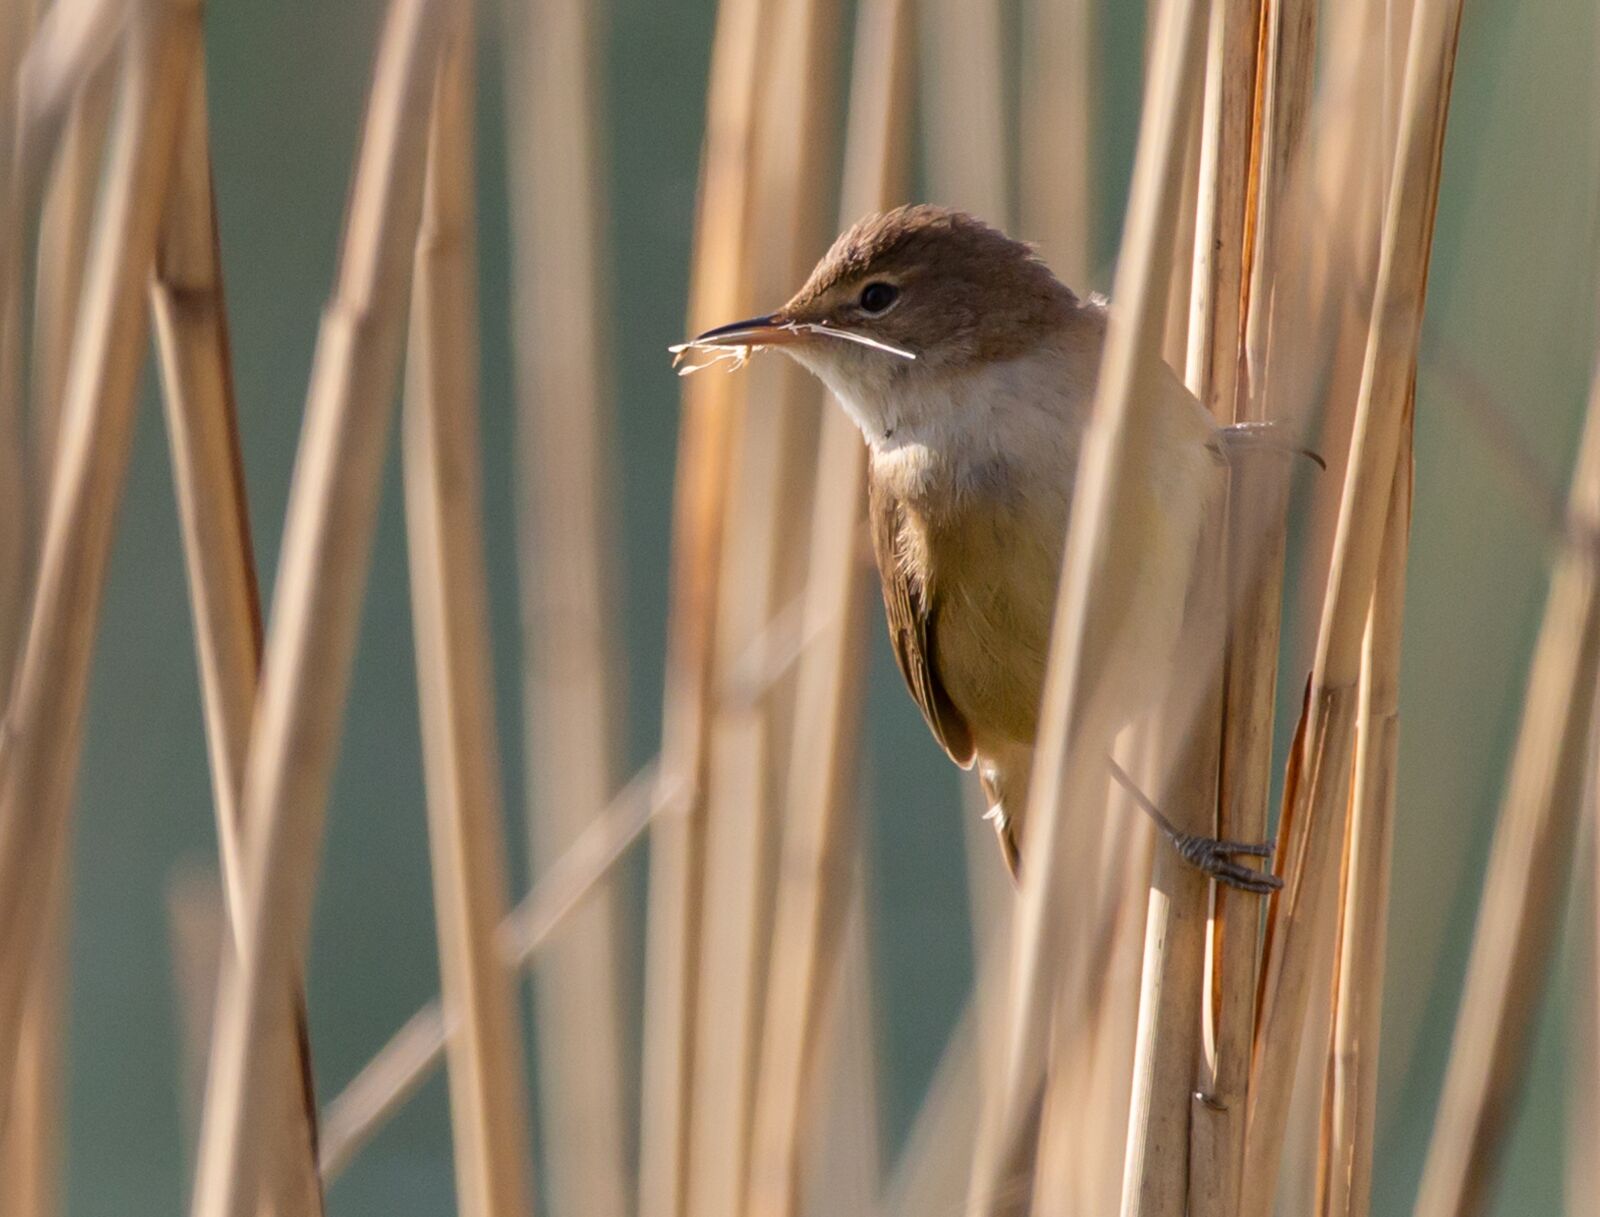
(1270, 436)
(1215, 857)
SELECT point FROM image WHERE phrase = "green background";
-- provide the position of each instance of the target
(1511, 299)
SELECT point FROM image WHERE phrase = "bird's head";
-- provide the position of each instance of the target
(905, 298)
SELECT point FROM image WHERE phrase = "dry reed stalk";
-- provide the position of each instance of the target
(1084, 1130)
(566, 536)
(720, 289)
(1255, 546)
(1167, 1058)
(187, 303)
(1070, 769)
(767, 495)
(311, 642)
(1159, 1171)
(814, 867)
(1057, 123)
(843, 1169)
(196, 927)
(66, 216)
(1583, 1025)
(1350, 1091)
(16, 23)
(1529, 861)
(39, 751)
(964, 119)
(449, 594)
(1316, 802)
(398, 1068)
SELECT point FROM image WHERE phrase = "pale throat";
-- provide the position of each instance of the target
(940, 433)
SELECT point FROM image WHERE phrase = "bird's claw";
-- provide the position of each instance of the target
(1214, 857)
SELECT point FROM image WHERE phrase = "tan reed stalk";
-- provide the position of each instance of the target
(720, 289)
(819, 817)
(396, 1071)
(37, 768)
(1175, 339)
(1528, 865)
(1316, 802)
(311, 641)
(1583, 1026)
(196, 927)
(749, 740)
(1070, 769)
(1158, 1175)
(186, 300)
(566, 536)
(449, 594)
(1057, 124)
(66, 215)
(843, 1171)
(964, 118)
(1083, 1133)
(1167, 1058)
(1350, 1091)
(1257, 529)
(16, 24)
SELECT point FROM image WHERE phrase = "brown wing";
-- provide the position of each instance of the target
(912, 619)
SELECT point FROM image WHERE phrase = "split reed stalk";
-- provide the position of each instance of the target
(1069, 777)
(566, 537)
(815, 869)
(311, 642)
(1350, 1090)
(449, 596)
(1316, 802)
(720, 290)
(767, 495)
(1056, 173)
(1255, 547)
(186, 300)
(1529, 863)
(1160, 1171)
(38, 755)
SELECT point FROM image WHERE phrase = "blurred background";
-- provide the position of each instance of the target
(1510, 333)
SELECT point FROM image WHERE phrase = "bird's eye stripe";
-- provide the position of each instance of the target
(878, 296)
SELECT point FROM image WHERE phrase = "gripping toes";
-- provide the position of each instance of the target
(1215, 858)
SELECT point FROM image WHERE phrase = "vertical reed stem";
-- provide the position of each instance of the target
(567, 487)
(316, 611)
(449, 593)
(38, 753)
(720, 289)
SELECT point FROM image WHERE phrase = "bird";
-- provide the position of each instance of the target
(970, 370)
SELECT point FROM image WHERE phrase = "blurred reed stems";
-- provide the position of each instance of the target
(815, 873)
(1069, 778)
(768, 492)
(567, 535)
(449, 594)
(1529, 863)
(38, 753)
(186, 300)
(1350, 1090)
(720, 288)
(1056, 124)
(317, 598)
(1315, 802)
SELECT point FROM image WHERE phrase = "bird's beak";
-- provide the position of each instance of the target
(770, 331)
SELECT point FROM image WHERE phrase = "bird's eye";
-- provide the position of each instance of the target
(877, 297)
